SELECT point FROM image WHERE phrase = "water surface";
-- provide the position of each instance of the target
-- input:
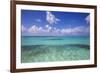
(54, 48)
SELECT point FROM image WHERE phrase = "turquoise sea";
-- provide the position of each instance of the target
(54, 48)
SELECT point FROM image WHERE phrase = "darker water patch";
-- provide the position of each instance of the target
(80, 45)
(54, 39)
(54, 46)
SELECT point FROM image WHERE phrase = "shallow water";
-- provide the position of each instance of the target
(48, 49)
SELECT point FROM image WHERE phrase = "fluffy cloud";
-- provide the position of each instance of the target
(76, 30)
(34, 29)
(48, 28)
(52, 31)
(87, 19)
(23, 29)
(66, 31)
(51, 18)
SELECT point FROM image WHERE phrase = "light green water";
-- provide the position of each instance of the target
(48, 49)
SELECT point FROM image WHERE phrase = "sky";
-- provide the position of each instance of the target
(54, 23)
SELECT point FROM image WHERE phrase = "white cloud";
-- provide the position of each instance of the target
(49, 28)
(23, 28)
(52, 31)
(37, 29)
(87, 19)
(66, 31)
(76, 30)
(51, 18)
(56, 30)
(46, 26)
(34, 29)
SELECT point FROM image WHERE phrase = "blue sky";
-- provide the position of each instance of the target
(54, 23)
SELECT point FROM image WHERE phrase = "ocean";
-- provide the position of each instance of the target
(54, 48)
